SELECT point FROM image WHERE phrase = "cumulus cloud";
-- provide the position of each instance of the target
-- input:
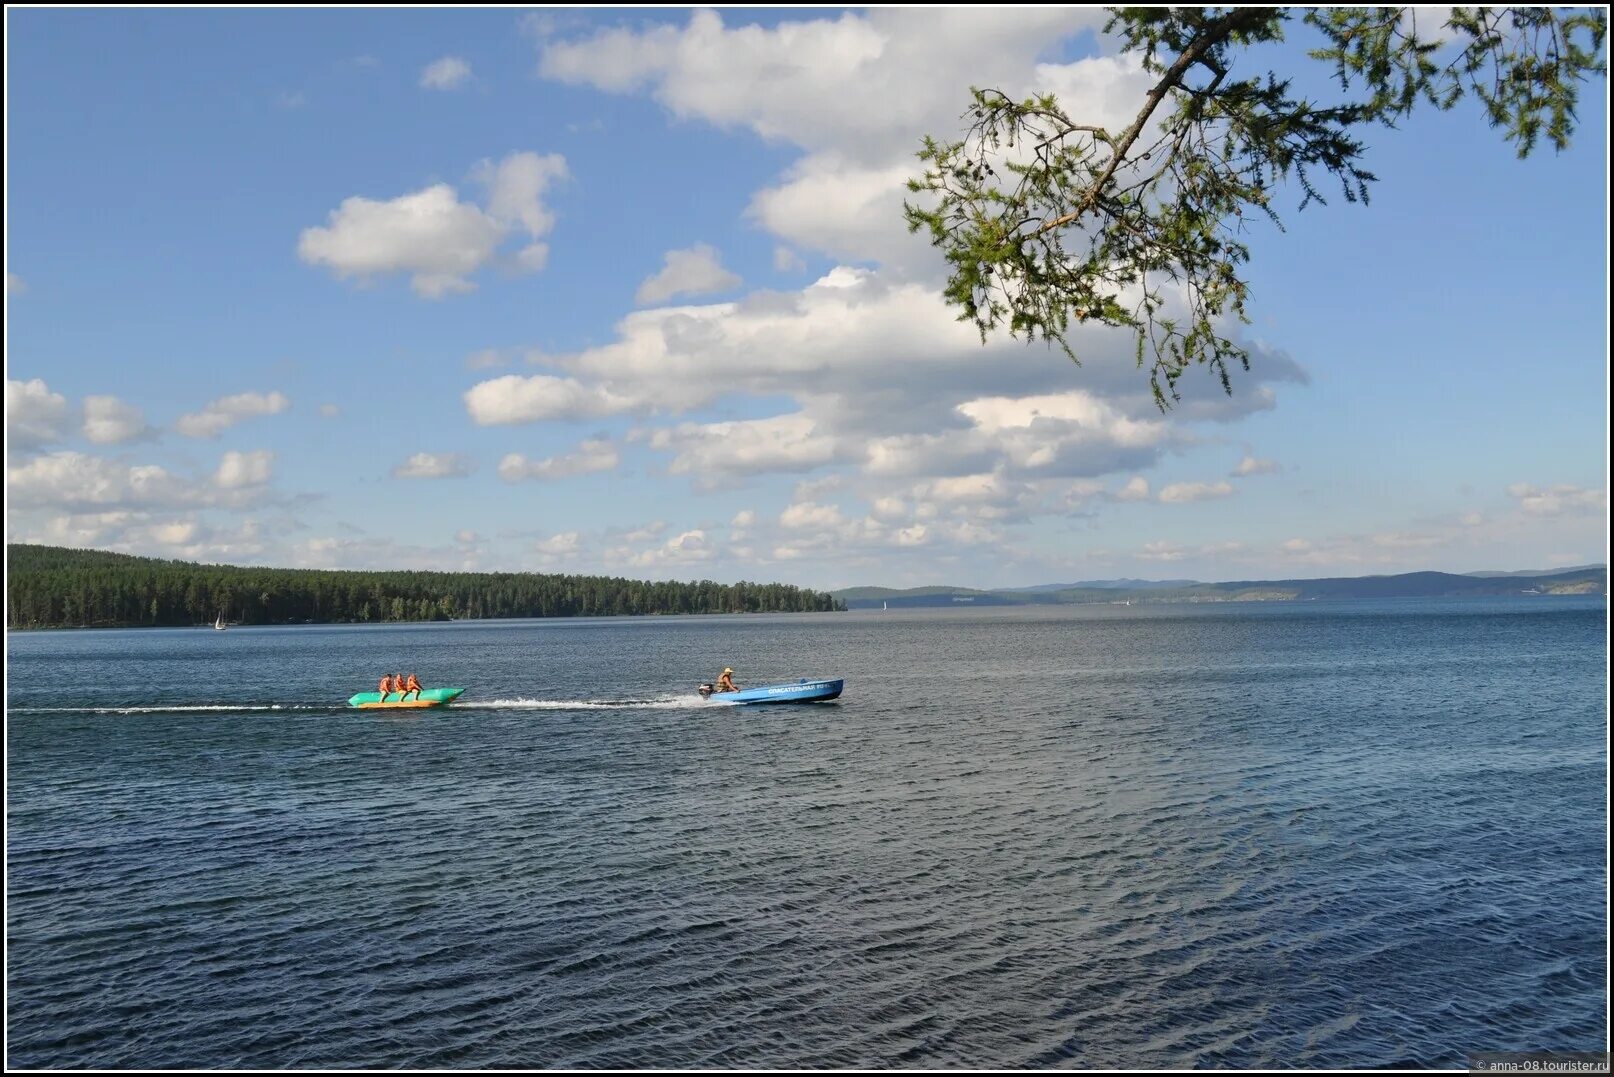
(223, 413)
(945, 440)
(434, 237)
(1252, 466)
(517, 399)
(786, 443)
(1561, 500)
(238, 470)
(74, 482)
(35, 416)
(857, 342)
(1195, 491)
(809, 83)
(1162, 551)
(890, 390)
(445, 74)
(151, 533)
(695, 271)
(81, 481)
(516, 187)
(426, 465)
(592, 456)
(429, 234)
(560, 545)
(1136, 489)
(108, 420)
(685, 548)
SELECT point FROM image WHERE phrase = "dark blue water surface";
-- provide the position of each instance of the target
(1314, 834)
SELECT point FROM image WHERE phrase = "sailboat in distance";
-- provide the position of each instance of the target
(218, 623)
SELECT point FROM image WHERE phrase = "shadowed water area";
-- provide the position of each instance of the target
(1314, 834)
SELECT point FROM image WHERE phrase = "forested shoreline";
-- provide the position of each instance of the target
(56, 587)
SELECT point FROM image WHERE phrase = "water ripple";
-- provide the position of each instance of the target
(1210, 838)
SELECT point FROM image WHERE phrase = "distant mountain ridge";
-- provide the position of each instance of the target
(1106, 585)
(1587, 579)
(1538, 572)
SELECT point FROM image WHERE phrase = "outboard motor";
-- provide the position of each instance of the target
(705, 690)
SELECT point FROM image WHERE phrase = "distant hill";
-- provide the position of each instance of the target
(1587, 580)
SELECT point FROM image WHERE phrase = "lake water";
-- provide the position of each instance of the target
(1316, 834)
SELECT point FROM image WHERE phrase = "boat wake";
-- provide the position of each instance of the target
(182, 708)
(683, 702)
(680, 702)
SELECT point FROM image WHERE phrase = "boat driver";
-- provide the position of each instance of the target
(725, 683)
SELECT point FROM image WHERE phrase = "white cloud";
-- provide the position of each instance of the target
(150, 533)
(79, 483)
(15, 285)
(330, 411)
(810, 83)
(433, 236)
(686, 548)
(108, 420)
(593, 455)
(710, 451)
(238, 470)
(1561, 500)
(223, 413)
(1136, 489)
(1195, 491)
(35, 416)
(429, 234)
(841, 208)
(516, 187)
(1252, 466)
(695, 271)
(810, 515)
(947, 441)
(72, 480)
(560, 545)
(425, 465)
(517, 399)
(871, 352)
(445, 74)
(465, 536)
(1162, 551)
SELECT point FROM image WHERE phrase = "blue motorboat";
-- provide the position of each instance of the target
(802, 691)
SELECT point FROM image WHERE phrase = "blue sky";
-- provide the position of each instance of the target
(629, 292)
